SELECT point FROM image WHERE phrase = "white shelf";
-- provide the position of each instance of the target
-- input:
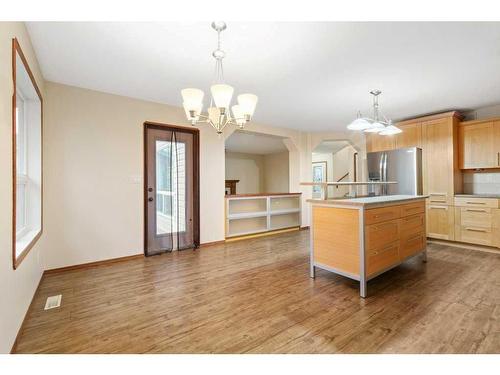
(285, 211)
(247, 215)
(251, 215)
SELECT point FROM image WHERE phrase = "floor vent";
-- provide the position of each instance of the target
(53, 302)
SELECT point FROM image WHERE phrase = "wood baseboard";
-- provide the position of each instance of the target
(92, 264)
(468, 246)
(14, 345)
(208, 244)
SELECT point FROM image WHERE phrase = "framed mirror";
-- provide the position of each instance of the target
(27, 109)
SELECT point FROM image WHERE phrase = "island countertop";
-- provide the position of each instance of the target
(368, 201)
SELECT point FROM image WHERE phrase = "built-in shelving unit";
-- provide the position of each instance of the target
(260, 213)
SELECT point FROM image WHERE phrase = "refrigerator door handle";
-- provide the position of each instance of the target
(386, 188)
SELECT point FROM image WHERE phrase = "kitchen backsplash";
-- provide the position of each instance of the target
(482, 183)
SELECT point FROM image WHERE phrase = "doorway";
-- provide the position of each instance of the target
(171, 188)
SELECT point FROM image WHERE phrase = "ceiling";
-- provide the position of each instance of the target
(330, 147)
(254, 143)
(308, 76)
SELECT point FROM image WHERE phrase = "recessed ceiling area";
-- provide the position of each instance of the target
(254, 143)
(310, 76)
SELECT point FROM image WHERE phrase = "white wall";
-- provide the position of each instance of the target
(276, 173)
(249, 169)
(16, 286)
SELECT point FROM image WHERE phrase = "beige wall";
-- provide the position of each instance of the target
(249, 169)
(16, 286)
(276, 173)
(93, 163)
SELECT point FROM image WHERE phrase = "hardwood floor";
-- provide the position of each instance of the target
(255, 296)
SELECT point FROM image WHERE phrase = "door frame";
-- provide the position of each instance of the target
(196, 176)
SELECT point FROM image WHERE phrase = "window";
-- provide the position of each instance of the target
(27, 157)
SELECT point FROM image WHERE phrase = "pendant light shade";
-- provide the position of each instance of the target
(222, 95)
(359, 124)
(192, 111)
(192, 98)
(213, 114)
(238, 115)
(247, 103)
(375, 127)
(390, 130)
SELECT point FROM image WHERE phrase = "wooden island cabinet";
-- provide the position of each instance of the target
(361, 238)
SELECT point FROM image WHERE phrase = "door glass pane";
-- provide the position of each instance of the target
(170, 187)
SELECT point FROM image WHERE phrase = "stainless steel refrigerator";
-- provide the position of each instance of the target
(403, 165)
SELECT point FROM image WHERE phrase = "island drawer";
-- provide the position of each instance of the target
(411, 244)
(382, 258)
(412, 224)
(412, 208)
(476, 202)
(378, 215)
(382, 234)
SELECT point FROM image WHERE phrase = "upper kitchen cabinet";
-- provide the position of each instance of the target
(376, 142)
(479, 144)
(442, 177)
(410, 137)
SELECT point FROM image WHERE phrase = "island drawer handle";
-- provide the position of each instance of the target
(414, 218)
(476, 230)
(417, 237)
(439, 207)
(385, 249)
(383, 214)
(475, 210)
(475, 202)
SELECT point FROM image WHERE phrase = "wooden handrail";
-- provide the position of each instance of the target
(344, 176)
(341, 178)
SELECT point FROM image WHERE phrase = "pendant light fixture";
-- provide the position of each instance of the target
(219, 113)
(375, 124)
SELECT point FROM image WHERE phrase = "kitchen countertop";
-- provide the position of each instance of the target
(368, 201)
(496, 196)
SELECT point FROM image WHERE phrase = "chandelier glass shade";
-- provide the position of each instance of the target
(375, 124)
(220, 113)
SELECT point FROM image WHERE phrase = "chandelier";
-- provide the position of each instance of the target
(218, 112)
(375, 124)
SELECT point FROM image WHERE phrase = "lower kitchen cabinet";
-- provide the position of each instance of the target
(440, 222)
(477, 221)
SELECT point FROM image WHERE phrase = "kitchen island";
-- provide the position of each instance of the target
(361, 238)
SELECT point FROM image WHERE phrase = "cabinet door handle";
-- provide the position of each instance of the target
(439, 207)
(498, 159)
(475, 210)
(476, 230)
(475, 202)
